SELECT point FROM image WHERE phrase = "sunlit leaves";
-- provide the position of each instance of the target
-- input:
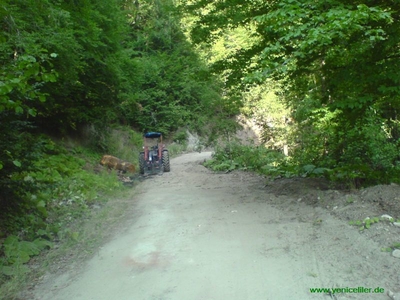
(17, 163)
(338, 63)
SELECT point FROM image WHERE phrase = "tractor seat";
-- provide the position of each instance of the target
(153, 154)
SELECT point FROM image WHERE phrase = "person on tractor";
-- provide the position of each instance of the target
(154, 158)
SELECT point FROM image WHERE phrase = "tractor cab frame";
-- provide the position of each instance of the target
(155, 157)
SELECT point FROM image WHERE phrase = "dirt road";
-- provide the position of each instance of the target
(198, 235)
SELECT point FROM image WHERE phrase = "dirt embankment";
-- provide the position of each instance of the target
(195, 234)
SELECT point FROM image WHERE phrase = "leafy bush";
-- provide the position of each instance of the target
(45, 192)
(180, 136)
(236, 156)
(17, 253)
(341, 91)
(356, 150)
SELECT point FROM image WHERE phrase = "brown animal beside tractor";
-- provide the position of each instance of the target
(112, 162)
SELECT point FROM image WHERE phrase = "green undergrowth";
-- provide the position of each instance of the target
(367, 222)
(61, 199)
(243, 157)
(175, 149)
(82, 239)
(123, 143)
(272, 163)
(391, 248)
(45, 197)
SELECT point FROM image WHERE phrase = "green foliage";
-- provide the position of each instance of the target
(123, 143)
(97, 63)
(20, 92)
(175, 149)
(236, 156)
(85, 43)
(42, 197)
(52, 180)
(20, 84)
(367, 222)
(68, 67)
(359, 153)
(17, 253)
(264, 106)
(180, 136)
(337, 65)
(172, 87)
(391, 248)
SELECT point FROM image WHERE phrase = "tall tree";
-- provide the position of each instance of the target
(172, 87)
(338, 62)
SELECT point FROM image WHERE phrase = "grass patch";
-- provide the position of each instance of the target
(63, 188)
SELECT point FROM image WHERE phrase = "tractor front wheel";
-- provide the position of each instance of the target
(165, 161)
(142, 163)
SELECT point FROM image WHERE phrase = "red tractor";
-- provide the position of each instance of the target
(155, 157)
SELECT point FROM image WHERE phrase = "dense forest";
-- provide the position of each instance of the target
(68, 65)
(320, 78)
(334, 64)
(80, 69)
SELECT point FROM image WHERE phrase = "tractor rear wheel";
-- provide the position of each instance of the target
(142, 163)
(165, 161)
